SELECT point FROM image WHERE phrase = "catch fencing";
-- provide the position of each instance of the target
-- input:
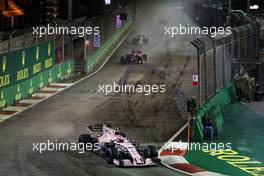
(219, 58)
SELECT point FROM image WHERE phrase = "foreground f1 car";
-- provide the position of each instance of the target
(117, 149)
(136, 57)
(140, 40)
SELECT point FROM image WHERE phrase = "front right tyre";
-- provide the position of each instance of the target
(150, 151)
(85, 138)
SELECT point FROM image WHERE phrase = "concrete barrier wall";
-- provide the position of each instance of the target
(214, 107)
(17, 90)
(37, 72)
(105, 49)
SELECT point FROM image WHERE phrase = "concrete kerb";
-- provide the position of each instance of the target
(172, 159)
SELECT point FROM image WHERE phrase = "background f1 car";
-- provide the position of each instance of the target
(117, 149)
(140, 40)
(136, 57)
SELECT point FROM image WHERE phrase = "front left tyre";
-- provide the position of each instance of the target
(111, 154)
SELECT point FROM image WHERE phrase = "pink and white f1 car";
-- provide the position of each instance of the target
(117, 149)
(136, 57)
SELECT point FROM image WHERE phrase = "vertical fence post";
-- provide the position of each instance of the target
(24, 38)
(214, 62)
(46, 37)
(205, 75)
(223, 61)
(84, 43)
(71, 47)
(199, 45)
(199, 78)
(231, 58)
(62, 48)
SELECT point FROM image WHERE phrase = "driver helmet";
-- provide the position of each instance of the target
(116, 131)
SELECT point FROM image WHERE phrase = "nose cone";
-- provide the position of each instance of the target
(139, 160)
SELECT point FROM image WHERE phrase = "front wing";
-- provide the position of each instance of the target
(128, 163)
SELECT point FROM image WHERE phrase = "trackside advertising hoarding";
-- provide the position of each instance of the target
(20, 65)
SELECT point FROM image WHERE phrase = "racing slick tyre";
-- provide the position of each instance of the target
(144, 57)
(122, 60)
(128, 59)
(111, 154)
(85, 138)
(150, 151)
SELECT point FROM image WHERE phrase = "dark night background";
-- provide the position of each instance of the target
(37, 12)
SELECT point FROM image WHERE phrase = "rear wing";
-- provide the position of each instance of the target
(98, 128)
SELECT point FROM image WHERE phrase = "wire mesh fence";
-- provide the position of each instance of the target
(218, 58)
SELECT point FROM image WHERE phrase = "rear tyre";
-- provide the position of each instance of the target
(128, 59)
(85, 138)
(122, 60)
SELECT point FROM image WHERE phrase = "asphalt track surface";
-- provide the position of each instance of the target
(65, 116)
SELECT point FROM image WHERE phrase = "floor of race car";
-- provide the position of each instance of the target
(244, 128)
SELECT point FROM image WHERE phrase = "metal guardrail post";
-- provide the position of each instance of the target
(1, 36)
(214, 62)
(24, 40)
(199, 78)
(223, 62)
(62, 48)
(232, 58)
(199, 45)
(10, 38)
(71, 47)
(84, 44)
(205, 75)
(36, 40)
(46, 37)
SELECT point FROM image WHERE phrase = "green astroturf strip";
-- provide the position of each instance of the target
(244, 129)
(211, 163)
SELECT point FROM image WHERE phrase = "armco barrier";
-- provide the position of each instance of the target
(106, 47)
(24, 89)
(213, 108)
